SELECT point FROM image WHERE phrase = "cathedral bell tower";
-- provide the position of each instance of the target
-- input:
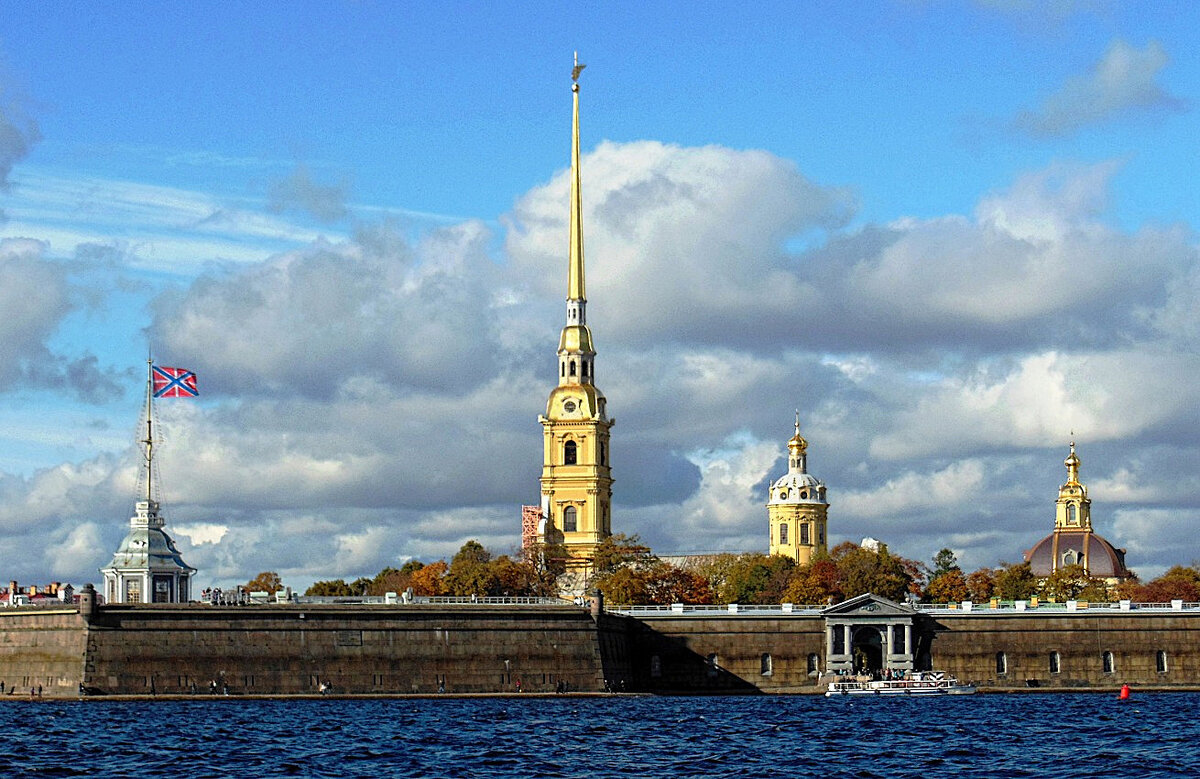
(797, 511)
(576, 477)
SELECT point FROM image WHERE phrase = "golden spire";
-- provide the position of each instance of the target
(1072, 463)
(575, 287)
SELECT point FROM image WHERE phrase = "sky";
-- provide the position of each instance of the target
(952, 235)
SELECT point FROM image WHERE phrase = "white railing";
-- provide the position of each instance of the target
(1005, 607)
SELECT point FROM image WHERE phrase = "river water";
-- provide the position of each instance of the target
(1018, 735)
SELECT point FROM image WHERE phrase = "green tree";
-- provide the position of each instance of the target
(267, 581)
(1015, 581)
(330, 589)
(1066, 583)
(470, 572)
(944, 562)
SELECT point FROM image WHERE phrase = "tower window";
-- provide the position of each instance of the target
(1072, 519)
(583, 368)
(570, 453)
(572, 367)
(603, 453)
(562, 369)
(805, 533)
(783, 530)
(570, 520)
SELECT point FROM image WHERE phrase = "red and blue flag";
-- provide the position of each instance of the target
(174, 383)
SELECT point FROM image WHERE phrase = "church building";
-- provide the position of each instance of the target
(797, 509)
(1073, 542)
(576, 482)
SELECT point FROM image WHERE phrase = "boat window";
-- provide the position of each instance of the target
(766, 665)
(1108, 662)
(1160, 661)
(1055, 663)
(570, 522)
(1001, 663)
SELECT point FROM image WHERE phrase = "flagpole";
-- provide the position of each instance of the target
(149, 440)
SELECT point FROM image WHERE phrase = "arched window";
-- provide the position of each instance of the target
(1160, 661)
(1109, 664)
(603, 453)
(766, 666)
(570, 453)
(570, 520)
(814, 663)
(562, 369)
(572, 367)
(1072, 519)
(805, 533)
(1001, 663)
(583, 367)
(783, 533)
(1055, 663)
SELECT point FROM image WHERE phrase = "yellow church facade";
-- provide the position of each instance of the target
(576, 481)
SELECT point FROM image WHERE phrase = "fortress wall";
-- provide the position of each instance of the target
(292, 649)
(967, 647)
(40, 646)
(671, 654)
(964, 645)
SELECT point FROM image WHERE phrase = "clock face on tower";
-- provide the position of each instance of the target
(569, 405)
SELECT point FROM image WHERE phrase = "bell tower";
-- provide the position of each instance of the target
(576, 480)
(797, 509)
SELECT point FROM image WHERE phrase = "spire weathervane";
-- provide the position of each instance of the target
(575, 71)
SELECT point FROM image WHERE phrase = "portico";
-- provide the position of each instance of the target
(870, 633)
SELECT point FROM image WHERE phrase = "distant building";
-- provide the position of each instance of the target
(797, 508)
(1073, 542)
(576, 481)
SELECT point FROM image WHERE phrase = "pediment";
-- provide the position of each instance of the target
(868, 605)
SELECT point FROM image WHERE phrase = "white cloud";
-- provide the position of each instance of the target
(1123, 82)
(956, 485)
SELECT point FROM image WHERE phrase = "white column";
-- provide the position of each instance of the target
(888, 650)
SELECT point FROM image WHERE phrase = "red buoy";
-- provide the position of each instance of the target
(1124, 692)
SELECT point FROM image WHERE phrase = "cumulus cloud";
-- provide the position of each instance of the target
(299, 192)
(1123, 82)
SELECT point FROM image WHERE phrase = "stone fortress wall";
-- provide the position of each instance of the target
(291, 649)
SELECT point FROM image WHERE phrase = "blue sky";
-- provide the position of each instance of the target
(949, 233)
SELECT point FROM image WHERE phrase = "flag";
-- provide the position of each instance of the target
(174, 383)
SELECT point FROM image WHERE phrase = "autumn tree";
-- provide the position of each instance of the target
(267, 581)
(815, 583)
(948, 587)
(1178, 583)
(981, 584)
(430, 579)
(862, 570)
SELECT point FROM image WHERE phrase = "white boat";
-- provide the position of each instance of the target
(914, 683)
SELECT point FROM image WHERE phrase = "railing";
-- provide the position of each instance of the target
(1004, 607)
(426, 600)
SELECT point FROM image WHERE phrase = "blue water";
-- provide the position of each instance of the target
(1035, 735)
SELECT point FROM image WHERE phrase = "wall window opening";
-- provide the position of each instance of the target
(1109, 664)
(1001, 663)
(570, 453)
(1055, 663)
(1160, 661)
(570, 519)
(783, 530)
(766, 666)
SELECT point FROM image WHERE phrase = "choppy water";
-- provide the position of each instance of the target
(1028, 735)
